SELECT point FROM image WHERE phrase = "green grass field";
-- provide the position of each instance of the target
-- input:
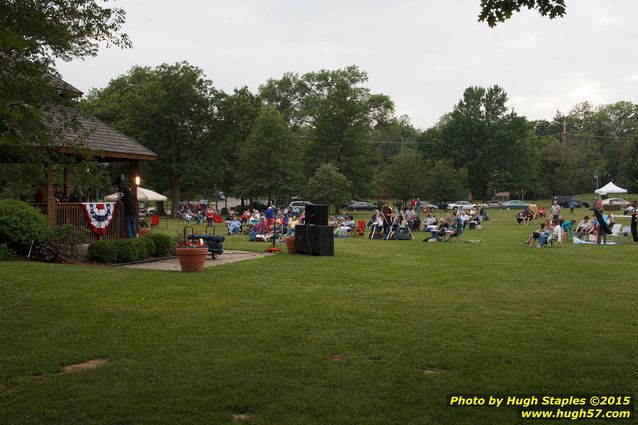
(381, 333)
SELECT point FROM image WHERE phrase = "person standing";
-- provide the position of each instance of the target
(418, 207)
(555, 212)
(210, 215)
(270, 215)
(602, 228)
(129, 212)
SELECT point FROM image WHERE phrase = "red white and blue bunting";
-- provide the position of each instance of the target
(99, 215)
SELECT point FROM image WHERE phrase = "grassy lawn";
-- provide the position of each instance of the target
(379, 334)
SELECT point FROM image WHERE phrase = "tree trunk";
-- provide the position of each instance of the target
(160, 208)
(175, 197)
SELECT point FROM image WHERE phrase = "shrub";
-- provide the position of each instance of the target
(52, 252)
(141, 247)
(71, 236)
(150, 246)
(20, 224)
(164, 244)
(6, 253)
(127, 251)
(103, 251)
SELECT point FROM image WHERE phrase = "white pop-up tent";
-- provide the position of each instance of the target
(143, 195)
(610, 188)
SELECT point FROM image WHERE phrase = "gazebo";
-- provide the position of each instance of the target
(91, 138)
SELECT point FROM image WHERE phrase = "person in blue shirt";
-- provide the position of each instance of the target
(568, 227)
(270, 215)
(601, 222)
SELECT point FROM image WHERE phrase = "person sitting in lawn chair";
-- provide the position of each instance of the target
(520, 217)
(584, 228)
(187, 217)
(341, 230)
(538, 233)
(377, 225)
(258, 229)
(453, 231)
(234, 226)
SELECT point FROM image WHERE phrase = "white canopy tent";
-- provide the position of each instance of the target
(610, 188)
(143, 195)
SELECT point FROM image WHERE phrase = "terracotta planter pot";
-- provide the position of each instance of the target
(290, 245)
(192, 259)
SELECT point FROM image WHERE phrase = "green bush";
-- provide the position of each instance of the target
(20, 224)
(70, 236)
(6, 253)
(142, 250)
(127, 251)
(103, 251)
(164, 244)
(150, 246)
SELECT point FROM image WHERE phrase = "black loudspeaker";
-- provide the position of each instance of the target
(317, 214)
(315, 240)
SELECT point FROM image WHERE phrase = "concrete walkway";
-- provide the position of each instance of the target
(225, 258)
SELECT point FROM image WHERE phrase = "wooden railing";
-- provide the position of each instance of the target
(73, 213)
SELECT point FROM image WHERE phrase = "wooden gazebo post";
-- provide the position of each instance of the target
(133, 173)
(51, 214)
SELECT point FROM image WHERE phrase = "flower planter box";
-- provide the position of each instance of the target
(192, 259)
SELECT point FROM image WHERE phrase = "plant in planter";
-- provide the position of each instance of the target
(192, 256)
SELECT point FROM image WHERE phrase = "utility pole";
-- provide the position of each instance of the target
(564, 134)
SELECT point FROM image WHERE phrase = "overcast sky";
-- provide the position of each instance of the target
(423, 54)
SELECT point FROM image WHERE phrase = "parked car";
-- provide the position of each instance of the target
(513, 204)
(300, 205)
(565, 202)
(360, 206)
(430, 206)
(616, 201)
(492, 204)
(465, 205)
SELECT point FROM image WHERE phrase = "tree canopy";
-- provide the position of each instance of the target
(170, 110)
(495, 11)
(33, 34)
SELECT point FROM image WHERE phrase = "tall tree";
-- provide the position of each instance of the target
(33, 34)
(629, 164)
(329, 186)
(235, 116)
(404, 176)
(170, 110)
(481, 136)
(335, 113)
(269, 159)
(445, 183)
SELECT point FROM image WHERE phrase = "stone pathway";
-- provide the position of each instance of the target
(225, 258)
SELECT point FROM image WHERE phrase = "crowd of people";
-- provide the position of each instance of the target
(399, 222)
(389, 223)
(556, 228)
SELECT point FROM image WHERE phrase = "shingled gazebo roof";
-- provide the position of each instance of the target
(101, 141)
